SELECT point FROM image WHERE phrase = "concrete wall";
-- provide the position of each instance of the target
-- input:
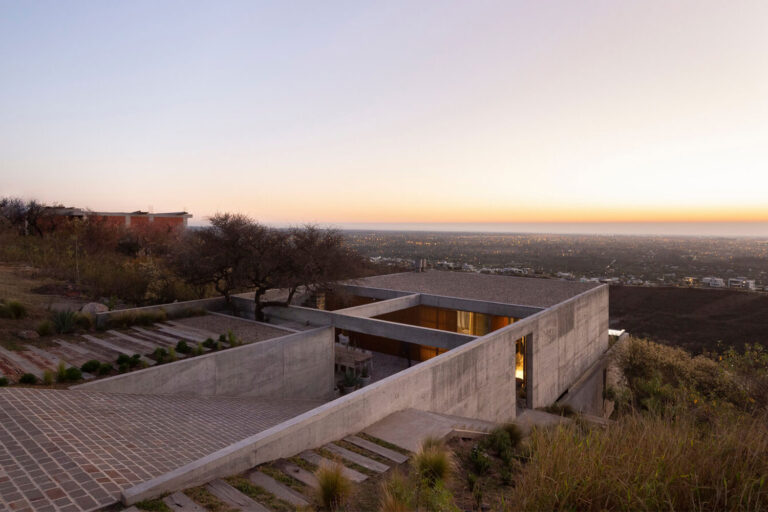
(294, 366)
(567, 339)
(171, 309)
(382, 307)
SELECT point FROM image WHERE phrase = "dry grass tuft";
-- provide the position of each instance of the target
(335, 489)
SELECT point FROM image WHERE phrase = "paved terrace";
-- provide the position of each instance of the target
(524, 291)
(65, 450)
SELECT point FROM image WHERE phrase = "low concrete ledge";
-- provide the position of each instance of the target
(382, 307)
(171, 309)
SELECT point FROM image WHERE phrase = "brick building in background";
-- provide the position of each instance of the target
(56, 216)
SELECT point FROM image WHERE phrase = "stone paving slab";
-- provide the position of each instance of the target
(280, 490)
(318, 460)
(377, 449)
(233, 497)
(180, 502)
(68, 450)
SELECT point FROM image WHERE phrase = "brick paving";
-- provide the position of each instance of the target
(66, 450)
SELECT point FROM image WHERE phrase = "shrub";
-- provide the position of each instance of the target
(134, 360)
(479, 461)
(433, 462)
(83, 321)
(45, 328)
(160, 355)
(105, 368)
(171, 354)
(28, 378)
(199, 350)
(61, 372)
(91, 366)
(222, 338)
(183, 348)
(209, 343)
(122, 359)
(12, 309)
(334, 488)
(63, 321)
(47, 377)
(73, 374)
(3, 382)
(503, 441)
(232, 339)
(396, 494)
(560, 410)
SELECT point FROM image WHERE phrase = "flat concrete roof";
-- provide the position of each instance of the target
(525, 291)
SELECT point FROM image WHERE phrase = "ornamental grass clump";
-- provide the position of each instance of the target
(334, 489)
(12, 309)
(433, 462)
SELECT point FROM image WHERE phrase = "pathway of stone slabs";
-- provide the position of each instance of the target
(296, 485)
(103, 347)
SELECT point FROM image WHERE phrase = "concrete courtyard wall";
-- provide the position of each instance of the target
(294, 366)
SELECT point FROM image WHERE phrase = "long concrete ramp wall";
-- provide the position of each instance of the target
(294, 366)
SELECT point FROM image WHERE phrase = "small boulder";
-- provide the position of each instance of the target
(28, 335)
(93, 308)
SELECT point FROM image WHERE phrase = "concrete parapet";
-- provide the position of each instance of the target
(293, 366)
(171, 309)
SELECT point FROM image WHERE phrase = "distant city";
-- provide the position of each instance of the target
(709, 262)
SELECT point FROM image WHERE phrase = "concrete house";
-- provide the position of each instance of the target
(451, 346)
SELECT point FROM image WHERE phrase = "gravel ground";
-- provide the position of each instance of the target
(246, 330)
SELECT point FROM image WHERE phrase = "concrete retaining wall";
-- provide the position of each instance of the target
(294, 366)
(171, 309)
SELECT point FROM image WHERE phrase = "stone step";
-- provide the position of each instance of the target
(280, 490)
(319, 460)
(180, 502)
(153, 340)
(377, 449)
(136, 348)
(150, 347)
(37, 360)
(184, 335)
(233, 497)
(156, 335)
(298, 473)
(75, 358)
(90, 351)
(24, 365)
(119, 349)
(52, 359)
(360, 460)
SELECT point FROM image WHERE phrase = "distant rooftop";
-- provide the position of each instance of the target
(524, 291)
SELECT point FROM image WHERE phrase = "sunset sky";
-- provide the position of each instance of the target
(412, 111)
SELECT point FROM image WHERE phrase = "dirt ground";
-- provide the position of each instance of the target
(40, 295)
(692, 318)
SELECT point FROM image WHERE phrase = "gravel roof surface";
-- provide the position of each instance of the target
(246, 330)
(524, 291)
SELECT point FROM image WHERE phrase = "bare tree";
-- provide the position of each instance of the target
(215, 254)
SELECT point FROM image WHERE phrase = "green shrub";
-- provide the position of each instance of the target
(503, 441)
(122, 359)
(334, 488)
(91, 366)
(232, 339)
(199, 350)
(479, 461)
(171, 354)
(3, 382)
(47, 377)
(12, 309)
(105, 368)
(73, 374)
(28, 378)
(122, 368)
(209, 343)
(63, 321)
(222, 338)
(45, 328)
(433, 462)
(134, 360)
(183, 348)
(61, 372)
(83, 321)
